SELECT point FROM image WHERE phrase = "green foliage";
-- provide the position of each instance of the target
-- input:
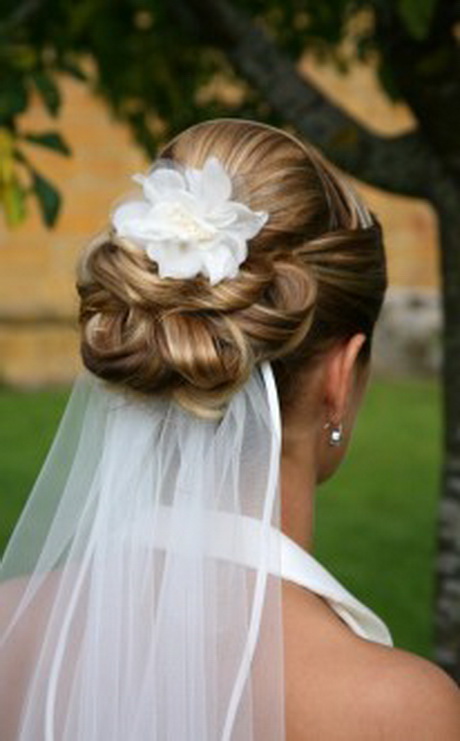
(13, 198)
(50, 139)
(48, 198)
(48, 90)
(417, 16)
(13, 97)
(154, 61)
(12, 193)
(23, 68)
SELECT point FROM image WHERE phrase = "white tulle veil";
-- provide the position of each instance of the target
(140, 596)
(140, 593)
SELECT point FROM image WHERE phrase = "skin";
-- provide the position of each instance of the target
(340, 687)
(331, 394)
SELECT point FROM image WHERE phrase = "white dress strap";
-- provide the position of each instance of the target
(287, 560)
(301, 567)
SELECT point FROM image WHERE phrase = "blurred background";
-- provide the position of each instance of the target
(91, 89)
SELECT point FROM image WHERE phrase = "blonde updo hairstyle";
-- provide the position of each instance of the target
(315, 276)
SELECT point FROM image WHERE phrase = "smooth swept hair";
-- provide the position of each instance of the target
(315, 275)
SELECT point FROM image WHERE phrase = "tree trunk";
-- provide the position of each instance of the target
(447, 608)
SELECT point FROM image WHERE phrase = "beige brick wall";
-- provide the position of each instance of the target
(38, 342)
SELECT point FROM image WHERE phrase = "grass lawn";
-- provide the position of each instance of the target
(375, 519)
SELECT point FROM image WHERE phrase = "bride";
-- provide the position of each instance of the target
(159, 584)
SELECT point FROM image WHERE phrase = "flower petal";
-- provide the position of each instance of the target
(160, 182)
(217, 183)
(238, 247)
(212, 186)
(249, 223)
(174, 261)
(219, 264)
(129, 216)
(165, 180)
(193, 178)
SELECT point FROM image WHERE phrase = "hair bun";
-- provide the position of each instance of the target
(314, 275)
(203, 349)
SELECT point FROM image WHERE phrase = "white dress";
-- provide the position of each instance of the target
(303, 569)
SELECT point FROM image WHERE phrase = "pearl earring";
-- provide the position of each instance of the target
(336, 433)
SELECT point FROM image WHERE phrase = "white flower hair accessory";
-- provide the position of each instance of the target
(188, 223)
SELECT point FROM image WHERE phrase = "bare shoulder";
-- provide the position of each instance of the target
(421, 700)
(340, 687)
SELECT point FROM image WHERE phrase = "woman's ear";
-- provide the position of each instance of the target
(339, 376)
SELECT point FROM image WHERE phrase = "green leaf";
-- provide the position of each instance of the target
(48, 197)
(51, 140)
(73, 69)
(13, 98)
(23, 56)
(417, 16)
(6, 156)
(13, 201)
(48, 90)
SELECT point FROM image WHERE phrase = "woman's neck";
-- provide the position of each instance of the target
(298, 485)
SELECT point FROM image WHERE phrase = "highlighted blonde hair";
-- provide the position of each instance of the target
(315, 275)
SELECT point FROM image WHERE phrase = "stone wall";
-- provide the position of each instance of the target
(408, 333)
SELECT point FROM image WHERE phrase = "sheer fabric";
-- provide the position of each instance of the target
(122, 616)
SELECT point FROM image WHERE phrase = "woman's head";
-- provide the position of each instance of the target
(314, 277)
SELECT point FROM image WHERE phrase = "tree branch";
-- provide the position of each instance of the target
(400, 164)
